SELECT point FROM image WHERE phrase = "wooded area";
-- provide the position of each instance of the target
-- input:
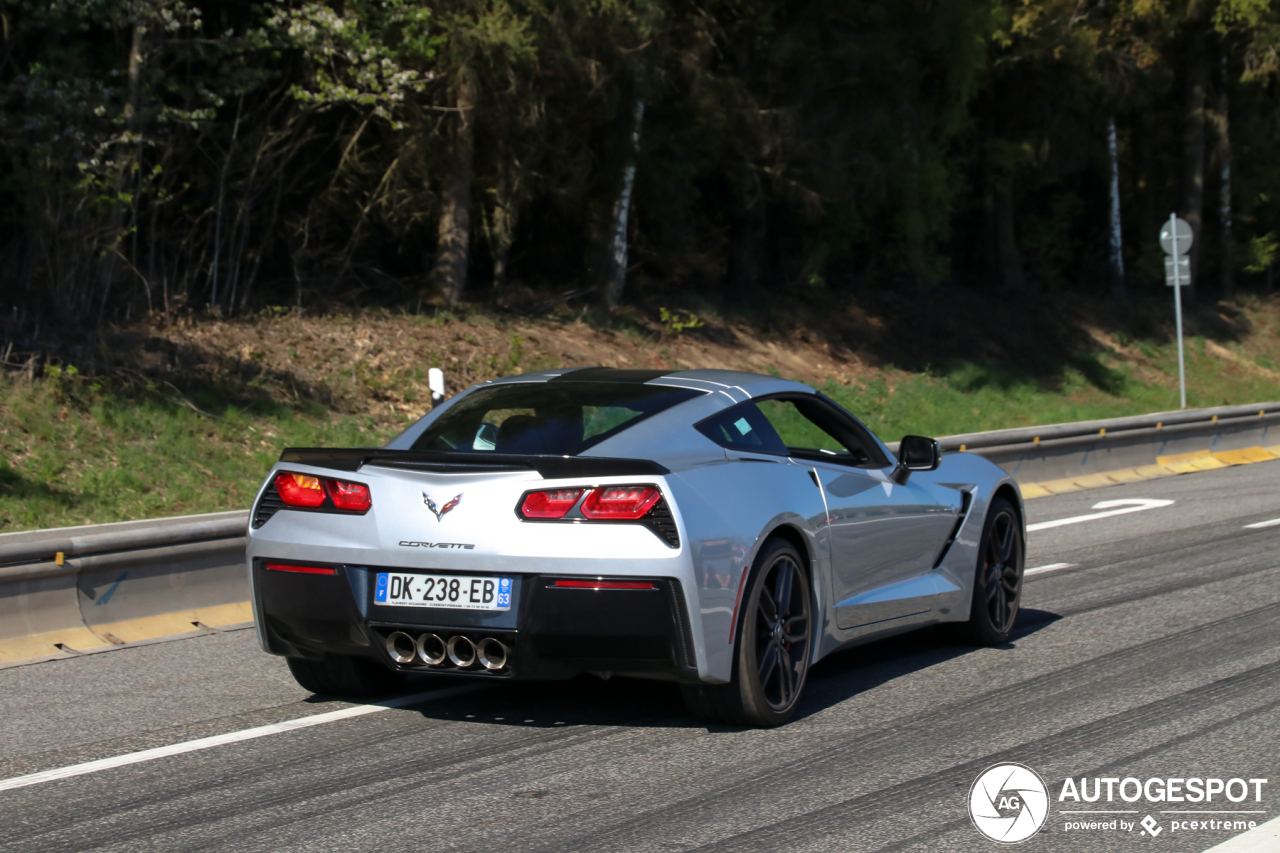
(170, 156)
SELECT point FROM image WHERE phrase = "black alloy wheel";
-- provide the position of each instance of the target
(782, 632)
(774, 644)
(997, 588)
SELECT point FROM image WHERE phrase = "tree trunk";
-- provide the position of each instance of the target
(617, 279)
(109, 266)
(748, 233)
(453, 248)
(1224, 158)
(500, 227)
(1118, 290)
(1010, 259)
(1193, 147)
(913, 224)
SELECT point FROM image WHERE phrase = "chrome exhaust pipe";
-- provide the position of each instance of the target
(431, 650)
(461, 651)
(493, 654)
(401, 647)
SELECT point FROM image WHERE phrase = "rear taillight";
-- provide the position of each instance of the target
(620, 503)
(302, 570)
(553, 503)
(305, 491)
(565, 583)
(353, 497)
(299, 490)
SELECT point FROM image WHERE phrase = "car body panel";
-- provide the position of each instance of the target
(883, 556)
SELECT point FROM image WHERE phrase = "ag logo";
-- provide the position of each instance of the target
(1009, 803)
(439, 513)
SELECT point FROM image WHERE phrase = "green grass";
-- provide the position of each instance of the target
(75, 451)
(71, 455)
(972, 398)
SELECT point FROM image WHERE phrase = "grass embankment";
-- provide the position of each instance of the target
(186, 418)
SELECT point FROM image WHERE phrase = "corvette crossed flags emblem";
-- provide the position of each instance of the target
(439, 513)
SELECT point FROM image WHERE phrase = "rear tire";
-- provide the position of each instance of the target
(997, 583)
(345, 675)
(774, 642)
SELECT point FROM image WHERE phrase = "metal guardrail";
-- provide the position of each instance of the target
(81, 583)
(1054, 451)
(1183, 421)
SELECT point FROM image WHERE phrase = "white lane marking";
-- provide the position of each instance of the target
(1116, 507)
(1272, 523)
(230, 737)
(1261, 839)
(1052, 567)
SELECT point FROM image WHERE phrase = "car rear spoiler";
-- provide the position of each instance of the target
(550, 467)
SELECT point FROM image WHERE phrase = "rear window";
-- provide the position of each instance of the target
(560, 418)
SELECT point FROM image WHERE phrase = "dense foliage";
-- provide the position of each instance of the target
(171, 155)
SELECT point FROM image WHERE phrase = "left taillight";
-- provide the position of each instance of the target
(308, 492)
(353, 497)
(299, 489)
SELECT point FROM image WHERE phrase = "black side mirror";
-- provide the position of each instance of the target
(916, 453)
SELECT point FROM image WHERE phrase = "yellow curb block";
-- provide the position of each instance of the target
(81, 639)
(150, 627)
(1183, 457)
(42, 645)
(1167, 466)
(1243, 457)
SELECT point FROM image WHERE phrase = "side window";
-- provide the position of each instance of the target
(742, 427)
(810, 430)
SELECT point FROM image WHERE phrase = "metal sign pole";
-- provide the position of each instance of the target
(1177, 309)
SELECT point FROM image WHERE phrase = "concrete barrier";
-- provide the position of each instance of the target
(80, 589)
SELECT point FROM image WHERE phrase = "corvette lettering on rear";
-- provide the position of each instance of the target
(407, 544)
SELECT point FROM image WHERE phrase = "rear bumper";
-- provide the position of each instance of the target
(551, 632)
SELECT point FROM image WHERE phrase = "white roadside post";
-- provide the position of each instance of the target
(435, 382)
(1176, 239)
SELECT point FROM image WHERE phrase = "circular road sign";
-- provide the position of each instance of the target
(1185, 237)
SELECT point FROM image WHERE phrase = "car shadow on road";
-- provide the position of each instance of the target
(638, 703)
(860, 669)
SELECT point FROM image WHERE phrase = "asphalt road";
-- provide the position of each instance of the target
(1154, 654)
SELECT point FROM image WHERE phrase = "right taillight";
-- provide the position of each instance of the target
(620, 503)
(300, 489)
(602, 503)
(553, 503)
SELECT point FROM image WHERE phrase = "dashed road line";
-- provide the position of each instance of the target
(1260, 524)
(1051, 567)
(229, 737)
(1110, 508)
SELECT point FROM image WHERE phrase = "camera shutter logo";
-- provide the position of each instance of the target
(1009, 803)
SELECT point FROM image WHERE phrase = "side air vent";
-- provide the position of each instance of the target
(268, 506)
(661, 522)
(676, 593)
(966, 503)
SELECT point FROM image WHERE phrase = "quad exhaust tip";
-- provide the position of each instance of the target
(493, 654)
(461, 651)
(401, 647)
(431, 650)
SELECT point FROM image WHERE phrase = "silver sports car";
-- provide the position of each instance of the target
(723, 530)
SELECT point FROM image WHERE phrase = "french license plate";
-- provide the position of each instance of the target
(456, 592)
